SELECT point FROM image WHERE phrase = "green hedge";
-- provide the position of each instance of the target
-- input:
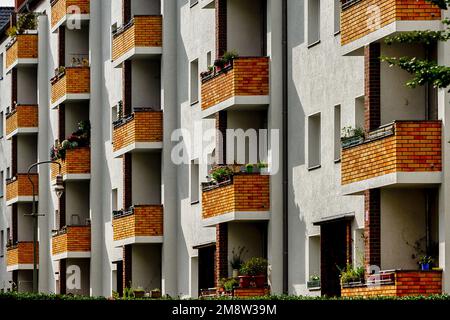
(45, 297)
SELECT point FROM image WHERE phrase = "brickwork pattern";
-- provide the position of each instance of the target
(251, 292)
(247, 192)
(249, 76)
(357, 20)
(75, 239)
(145, 31)
(77, 161)
(407, 283)
(221, 257)
(21, 187)
(22, 117)
(25, 46)
(372, 227)
(77, 80)
(145, 221)
(60, 8)
(20, 254)
(145, 126)
(415, 147)
(372, 86)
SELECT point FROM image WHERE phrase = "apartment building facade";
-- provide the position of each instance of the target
(118, 90)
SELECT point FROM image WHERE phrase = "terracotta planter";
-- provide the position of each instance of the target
(252, 281)
(156, 294)
(139, 294)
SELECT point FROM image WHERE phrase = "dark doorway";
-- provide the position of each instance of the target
(119, 278)
(206, 259)
(333, 255)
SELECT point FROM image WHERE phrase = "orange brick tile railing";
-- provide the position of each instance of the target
(246, 76)
(61, 7)
(20, 186)
(404, 283)
(24, 46)
(74, 80)
(144, 125)
(358, 17)
(251, 292)
(404, 146)
(141, 31)
(76, 161)
(20, 253)
(22, 116)
(72, 239)
(244, 193)
(139, 221)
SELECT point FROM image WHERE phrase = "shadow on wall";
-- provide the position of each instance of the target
(296, 10)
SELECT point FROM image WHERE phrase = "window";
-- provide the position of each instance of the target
(337, 133)
(337, 16)
(195, 182)
(359, 112)
(209, 59)
(114, 118)
(194, 81)
(2, 183)
(1, 124)
(313, 22)
(314, 141)
(1, 66)
(8, 173)
(114, 200)
(2, 243)
(314, 256)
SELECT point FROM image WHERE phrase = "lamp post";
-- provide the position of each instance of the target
(59, 189)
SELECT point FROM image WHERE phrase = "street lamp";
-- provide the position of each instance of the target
(58, 188)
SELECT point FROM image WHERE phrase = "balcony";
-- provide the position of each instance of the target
(398, 283)
(404, 153)
(140, 224)
(73, 11)
(23, 119)
(23, 50)
(245, 197)
(70, 85)
(75, 166)
(242, 85)
(362, 22)
(19, 189)
(143, 130)
(20, 256)
(141, 37)
(72, 242)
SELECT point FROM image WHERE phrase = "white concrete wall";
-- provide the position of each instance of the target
(24, 223)
(244, 27)
(26, 86)
(77, 202)
(146, 80)
(26, 152)
(77, 44)
(146, 267)
(146, 178)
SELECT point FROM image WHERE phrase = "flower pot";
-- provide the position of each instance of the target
(425, 266)
(139, 294)
(156, 294)
(235, 273)
(259, 281)
(244, 281)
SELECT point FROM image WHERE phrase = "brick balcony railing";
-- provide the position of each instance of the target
(60, 8)
(143, 126)
(139, 221)
(72, 239)
(397, 284)
(246, 76)
(244, 193)
(24, 46)
(76, 162)
(404, 146)
(23, 118)
(141, 32)
(358, 16)
(20, 254)
(73, 81)
(20, 186)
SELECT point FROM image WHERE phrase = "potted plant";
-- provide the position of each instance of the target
(425, 263)
(263, 168)
(221, 174)
(249, 168)
(352, 136)
(253, 273)
(139, 293)
(352, 275)
(156, 293)
(236, 260)
(314, 282)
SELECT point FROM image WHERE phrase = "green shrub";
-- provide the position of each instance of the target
(254, 267)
